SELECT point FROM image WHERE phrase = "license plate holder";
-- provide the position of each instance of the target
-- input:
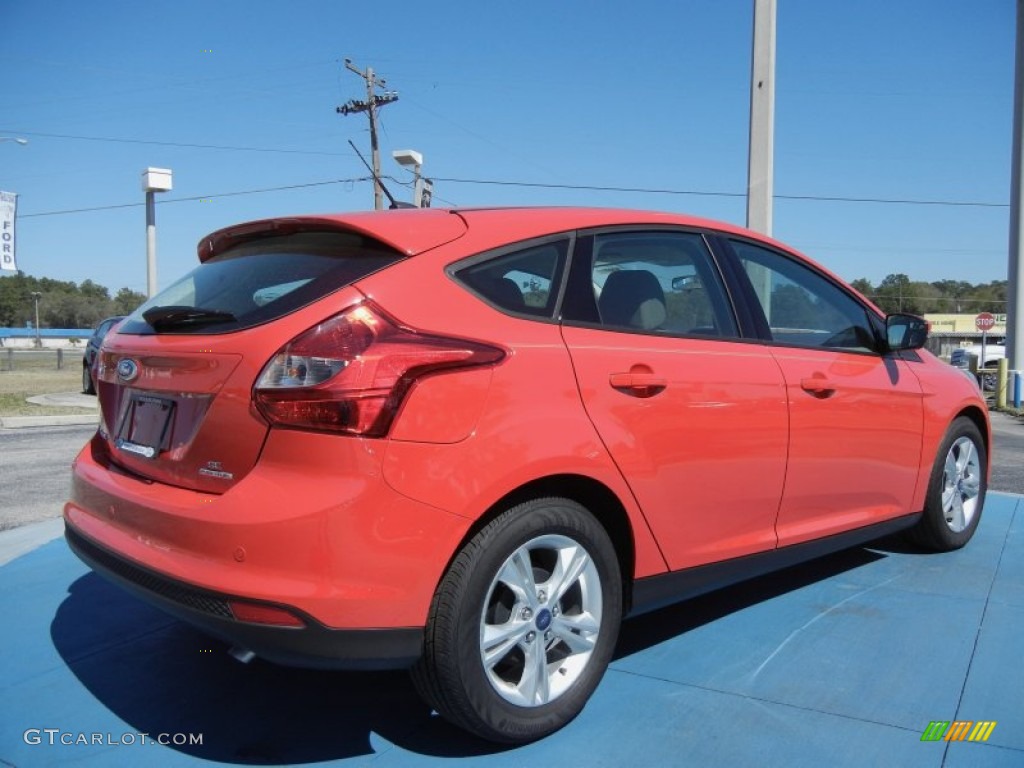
(146, 426)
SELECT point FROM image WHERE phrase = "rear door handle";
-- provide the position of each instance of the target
(818, 386)
(638, 384)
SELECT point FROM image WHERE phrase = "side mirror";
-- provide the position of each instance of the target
(905, 332)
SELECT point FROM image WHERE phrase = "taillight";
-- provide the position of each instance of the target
(350, 373)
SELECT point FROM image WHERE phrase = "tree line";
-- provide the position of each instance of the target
(62, 304)
(898, 293)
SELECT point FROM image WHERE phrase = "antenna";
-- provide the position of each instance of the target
(394, 203)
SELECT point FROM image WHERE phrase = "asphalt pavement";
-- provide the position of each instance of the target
(1007, 453)
(844, 661)
(850, 660)
(35, 468)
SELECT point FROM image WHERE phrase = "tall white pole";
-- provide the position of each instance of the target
(150, 243)
(417, 187)
(153, 180)
(762, 119)
(1015, 280)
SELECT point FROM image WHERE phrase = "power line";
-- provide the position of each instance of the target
(539, 185)
(526, 184)
(198, 197)
(895, 201)
(184, 145)
(708, 193)
(588, 187)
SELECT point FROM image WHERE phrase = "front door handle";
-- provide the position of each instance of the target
(819, 386)
(637, 383)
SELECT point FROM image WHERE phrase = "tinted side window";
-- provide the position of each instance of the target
(523, 281)
(655, 282)
(803, 307)
(103, 328)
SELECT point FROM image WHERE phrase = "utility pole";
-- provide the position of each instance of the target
(762, 119)
(373, 100)
(36, 296)
(1015, 277)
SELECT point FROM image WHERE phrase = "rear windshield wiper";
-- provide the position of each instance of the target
(168, 318)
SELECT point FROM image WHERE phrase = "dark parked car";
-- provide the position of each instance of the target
(92, 348)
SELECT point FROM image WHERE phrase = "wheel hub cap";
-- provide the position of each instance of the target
(543, 619)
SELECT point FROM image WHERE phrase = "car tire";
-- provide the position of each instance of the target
(523, 624)
(956, 490)
(88, 387)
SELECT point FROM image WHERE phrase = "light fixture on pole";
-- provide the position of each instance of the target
(410, 158)
(36, 296)
(153, 180)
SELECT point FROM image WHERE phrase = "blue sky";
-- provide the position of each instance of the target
(878, 99)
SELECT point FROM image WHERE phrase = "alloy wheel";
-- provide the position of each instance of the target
(961, 484)
(541, 620)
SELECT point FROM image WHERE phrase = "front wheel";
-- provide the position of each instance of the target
(956, 490)
(523, 624)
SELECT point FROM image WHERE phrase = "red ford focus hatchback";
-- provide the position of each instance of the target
(470, 442)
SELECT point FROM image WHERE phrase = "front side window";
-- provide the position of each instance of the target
(652, 282)
(802, 306)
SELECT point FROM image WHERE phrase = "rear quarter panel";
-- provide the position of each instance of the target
(527, 424)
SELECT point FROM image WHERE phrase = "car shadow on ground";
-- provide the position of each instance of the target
(645, 631)
(159, 676)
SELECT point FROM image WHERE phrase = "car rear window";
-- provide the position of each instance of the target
(258, 281)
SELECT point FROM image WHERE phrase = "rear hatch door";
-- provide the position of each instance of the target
(175, 380)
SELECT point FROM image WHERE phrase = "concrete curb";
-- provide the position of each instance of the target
(17, 422)
(19, 541)
(66, 400)
(60, 400)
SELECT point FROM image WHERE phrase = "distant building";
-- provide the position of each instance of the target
(949, 332)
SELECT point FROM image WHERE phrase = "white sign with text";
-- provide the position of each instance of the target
(8, 212)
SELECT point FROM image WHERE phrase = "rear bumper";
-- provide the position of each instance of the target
(356, 561)
(312, 645)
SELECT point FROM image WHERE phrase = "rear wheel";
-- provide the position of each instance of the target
(523, 625)
(956, 490)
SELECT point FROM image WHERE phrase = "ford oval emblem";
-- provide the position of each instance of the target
(127, 369)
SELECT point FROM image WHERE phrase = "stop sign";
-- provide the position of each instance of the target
(985, 321)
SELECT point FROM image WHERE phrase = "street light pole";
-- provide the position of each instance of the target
(153, 180)
(411, 158)
(36, 295)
